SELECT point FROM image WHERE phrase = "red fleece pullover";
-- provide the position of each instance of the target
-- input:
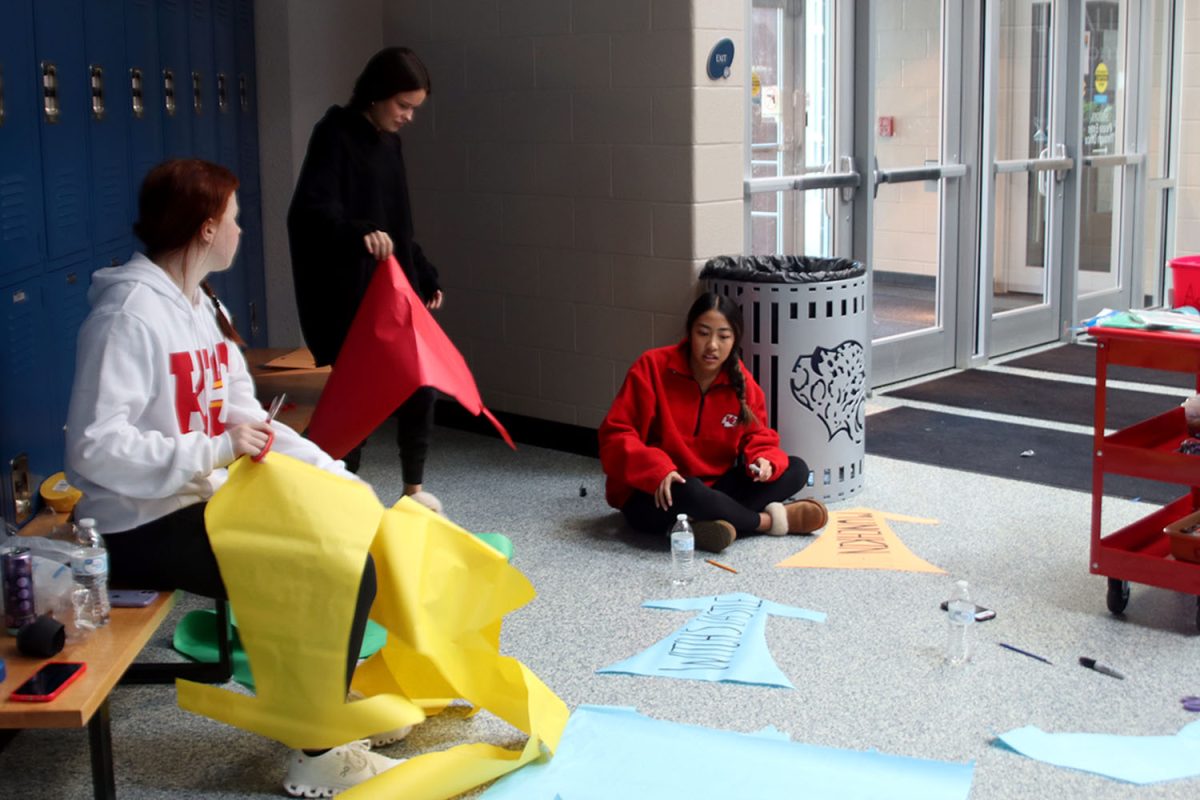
(660, 421)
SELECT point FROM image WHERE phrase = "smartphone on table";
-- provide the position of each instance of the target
(981, 614)
(48, 682)
(131, 598)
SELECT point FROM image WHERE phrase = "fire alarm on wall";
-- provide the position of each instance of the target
(887, 127)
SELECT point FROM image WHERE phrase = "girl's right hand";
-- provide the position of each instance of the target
(662, 495)
(249, 438)
(378, 244)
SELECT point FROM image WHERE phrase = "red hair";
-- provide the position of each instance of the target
(176, 199)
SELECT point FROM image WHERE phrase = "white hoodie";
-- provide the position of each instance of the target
(156, 386)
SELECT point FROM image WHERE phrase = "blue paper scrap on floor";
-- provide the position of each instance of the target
(609, 752)
(1136, 759)
(726, 642)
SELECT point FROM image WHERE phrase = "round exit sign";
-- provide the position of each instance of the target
(720, 60)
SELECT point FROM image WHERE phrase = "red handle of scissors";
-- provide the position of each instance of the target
(266, 448)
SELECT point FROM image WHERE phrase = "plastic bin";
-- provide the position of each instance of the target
(805, 341)
(1185, 280)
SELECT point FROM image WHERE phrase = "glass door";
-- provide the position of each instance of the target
(915, 80)
(1024, 144)
(795, 173)
(1110, 160)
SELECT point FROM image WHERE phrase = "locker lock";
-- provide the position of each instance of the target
(96, 73)
(169, 92)
(197, 96)
(136, 92)
(243, 93)
(1, 95)
(50, 92)
(222, 93)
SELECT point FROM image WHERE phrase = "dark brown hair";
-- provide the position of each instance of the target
(390, 71)
(711, 301)
(176, 199)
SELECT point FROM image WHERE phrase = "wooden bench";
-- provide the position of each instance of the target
(108, 652)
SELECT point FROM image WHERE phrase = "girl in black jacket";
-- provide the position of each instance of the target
(350, 210)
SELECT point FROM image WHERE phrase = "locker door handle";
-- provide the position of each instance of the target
(50, 92)
(96, 73)
(197, 97)
(136, 92)
(243, 95)
(169, 92)
(1, 95)
(222, 93)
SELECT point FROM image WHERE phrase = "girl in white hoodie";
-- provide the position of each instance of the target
(163, 402)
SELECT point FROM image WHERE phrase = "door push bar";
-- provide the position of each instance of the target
(1115, 160)
(929, 172)
(847, 180)
(1058, 164)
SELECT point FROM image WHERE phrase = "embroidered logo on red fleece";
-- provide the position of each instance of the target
(192, 371)
(730, 420)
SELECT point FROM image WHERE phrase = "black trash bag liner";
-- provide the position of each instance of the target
(782, 269)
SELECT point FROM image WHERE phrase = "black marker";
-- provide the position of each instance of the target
(1092, 663)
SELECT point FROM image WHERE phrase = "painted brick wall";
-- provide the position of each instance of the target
(571, 173)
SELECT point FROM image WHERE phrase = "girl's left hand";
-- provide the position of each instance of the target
(762, 470)
(435, 302)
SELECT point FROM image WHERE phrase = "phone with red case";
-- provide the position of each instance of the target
(48, 682)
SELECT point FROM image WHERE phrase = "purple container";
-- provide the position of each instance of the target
(17, 568)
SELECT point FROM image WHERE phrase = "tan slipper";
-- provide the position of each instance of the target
(801, 516)
(713, 535)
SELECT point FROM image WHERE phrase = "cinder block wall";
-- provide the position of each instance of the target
(571, 173)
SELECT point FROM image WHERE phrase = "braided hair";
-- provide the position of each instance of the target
(711, 301)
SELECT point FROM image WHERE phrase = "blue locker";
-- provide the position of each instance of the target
(251, 320)
(64, 300)
(175, 80)
(225, 64)
(22, 221)
(247, 107)
(24, 421)
(203, 81)
(58, 38)
(146, 97)
(111, 210)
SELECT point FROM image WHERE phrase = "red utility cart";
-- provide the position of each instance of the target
(1141, 552)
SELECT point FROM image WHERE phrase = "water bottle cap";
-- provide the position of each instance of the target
(87, 522)
(681, 517)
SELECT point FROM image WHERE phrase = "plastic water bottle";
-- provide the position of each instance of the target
(961, 624)
(90, 567)
(683, 551)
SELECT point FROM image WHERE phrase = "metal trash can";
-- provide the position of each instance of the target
(805, 341)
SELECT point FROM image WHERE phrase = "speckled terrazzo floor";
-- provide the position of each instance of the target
(870, 677)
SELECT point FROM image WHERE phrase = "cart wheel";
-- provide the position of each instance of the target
(1118, 597)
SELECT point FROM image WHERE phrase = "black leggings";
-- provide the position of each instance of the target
(173, 552)
(414, 429)
(734, 497)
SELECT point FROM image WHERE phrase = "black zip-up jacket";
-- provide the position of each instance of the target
(352, 182)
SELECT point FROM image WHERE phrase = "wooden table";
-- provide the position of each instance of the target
(108, 652)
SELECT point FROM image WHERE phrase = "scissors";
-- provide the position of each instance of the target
(276, 404)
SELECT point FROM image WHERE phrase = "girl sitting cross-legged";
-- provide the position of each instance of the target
(686, 435)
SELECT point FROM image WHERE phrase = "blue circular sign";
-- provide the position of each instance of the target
(720, 60)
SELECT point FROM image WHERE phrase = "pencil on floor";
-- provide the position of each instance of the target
(722, 566)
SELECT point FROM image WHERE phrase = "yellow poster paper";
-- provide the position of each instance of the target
(291, 541)
(860, 538)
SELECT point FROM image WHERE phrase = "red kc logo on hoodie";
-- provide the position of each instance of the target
(194, 372)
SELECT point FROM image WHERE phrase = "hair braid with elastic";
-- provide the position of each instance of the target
(223, 322)
(733, 366)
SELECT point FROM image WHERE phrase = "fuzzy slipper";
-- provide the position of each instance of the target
(801, 516)
(713, 535)
(428, 500)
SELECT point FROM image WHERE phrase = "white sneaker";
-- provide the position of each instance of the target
(334, 771)
(428, 500)
(387, 737)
